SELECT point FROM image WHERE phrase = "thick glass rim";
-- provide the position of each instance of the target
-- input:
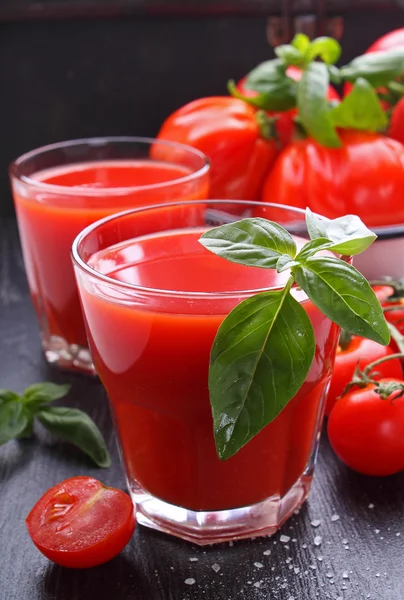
(83, 265)
(16, 165)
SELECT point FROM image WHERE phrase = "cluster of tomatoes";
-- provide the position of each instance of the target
(251, 161)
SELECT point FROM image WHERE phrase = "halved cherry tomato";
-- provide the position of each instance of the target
(359, 352)
(284, 122)
(338, 181)
(228, 131)
(81, 523)
(367, 431)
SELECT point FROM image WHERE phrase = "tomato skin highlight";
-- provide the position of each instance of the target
(226, 130)
(338, 181)
(80, 523)
(284, 125)
(360, 352)
(367, 432)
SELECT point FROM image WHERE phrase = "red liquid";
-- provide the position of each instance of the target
(50, 221)
(154, 362)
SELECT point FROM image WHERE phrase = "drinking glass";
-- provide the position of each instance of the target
(60, 189)
(153, 298)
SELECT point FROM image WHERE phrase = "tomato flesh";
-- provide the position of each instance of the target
(81, 523)
(367, 432)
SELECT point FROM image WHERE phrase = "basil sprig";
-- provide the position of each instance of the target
(264, 348)
(17, 415)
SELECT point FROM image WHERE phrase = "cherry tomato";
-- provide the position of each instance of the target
(81, 523)
(393, 39)
(367, 432)
(284, 123)
(396, 127)
(228, 131)
(396, 316)
(359, 352)
(338, 181)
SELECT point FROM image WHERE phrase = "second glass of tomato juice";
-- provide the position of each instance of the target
(153, 298)
(60, 189)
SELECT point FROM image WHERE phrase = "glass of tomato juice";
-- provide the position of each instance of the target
(60, 189)
(153, 298)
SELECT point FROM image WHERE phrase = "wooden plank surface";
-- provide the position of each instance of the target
(361, 525)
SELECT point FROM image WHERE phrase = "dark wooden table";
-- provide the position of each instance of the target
(358, 552)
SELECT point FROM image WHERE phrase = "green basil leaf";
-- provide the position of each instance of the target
(277, 91)
(28, 430)
(301, 41)
(313, 247)
(285, 262)
(334, 74)
(289, 54)
(349, 234)
(326, 48)
(260, 358)
(75, 426)
(255, 242)
(13, 420)
(313, 106)
(360, 109)
(379, 68)
(344, 296)
(8, 396)
(41, 393)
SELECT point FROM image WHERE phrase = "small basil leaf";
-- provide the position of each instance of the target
(41, 393)
(289, 54)
(255, 242)
(344, 296)
(313, 247)
(349, 234)
(280, 97)
(76, 427)
(13, 420)
(360, 109)
(326, 48)
(334, 73)
(313, 106)
(260, 358)
(284, 263)
(8, 396)
(28, 430)
(379, 68)
(301, 41)
(277, 91)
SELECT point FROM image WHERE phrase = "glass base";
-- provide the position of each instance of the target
(58, 352)
(213, 527)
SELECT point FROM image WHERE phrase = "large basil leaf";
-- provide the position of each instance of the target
(349, 234)
(343, 295)
(277, 91)
(260, 358)
(313, 106)
(41, 393)
(8, 396)
(379, 68)
(255, 242)
(75, 426)
(360, 109)
(328, 49)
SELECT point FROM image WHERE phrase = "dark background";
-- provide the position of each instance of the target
(74, 68)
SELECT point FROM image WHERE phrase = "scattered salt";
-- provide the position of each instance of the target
(371, 505)
(377, 530)
(190, 581)
(313, 567)
(193, 559)
(284, 539)
(329, 575)
(267, 552)
(344, 541)
(335, 518)
(304, 546)
(231, 544)
(398, 534)
(216, 568)
(377, 574)
(257, 584)
(258, 565)
(316, 522)
(317, 540)
(345, 575)
(320, 558)
(296, 570)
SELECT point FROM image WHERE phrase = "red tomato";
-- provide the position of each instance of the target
(227, 131)
(81, 523)
(396, 316)
(367, 432)
(393, 39)
(396, 127)
(365, 177)
(284, 123)
(360, 352)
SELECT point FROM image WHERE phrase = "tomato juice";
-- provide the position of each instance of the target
(55, 204)
(151, 346)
